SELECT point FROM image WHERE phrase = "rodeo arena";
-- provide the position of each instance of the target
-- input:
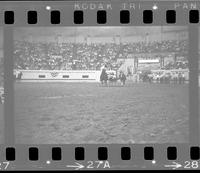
(101, 85)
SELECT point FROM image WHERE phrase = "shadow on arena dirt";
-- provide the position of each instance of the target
(73, 113)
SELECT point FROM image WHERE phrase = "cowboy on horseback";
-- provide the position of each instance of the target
(104, 76)
(122, 78)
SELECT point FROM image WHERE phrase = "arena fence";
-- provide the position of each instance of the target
(73, 75)
(59, 75)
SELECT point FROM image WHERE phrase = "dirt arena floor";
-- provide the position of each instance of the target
(74, 113)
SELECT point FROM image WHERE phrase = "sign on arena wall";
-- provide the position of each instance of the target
(148, 64)
(144, 61)
(54, 74)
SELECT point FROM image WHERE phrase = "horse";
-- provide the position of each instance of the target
(104, 77)
(113, 80)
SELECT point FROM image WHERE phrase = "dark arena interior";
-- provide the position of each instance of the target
(151, 107)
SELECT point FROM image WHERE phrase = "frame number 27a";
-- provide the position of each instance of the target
(97, 164)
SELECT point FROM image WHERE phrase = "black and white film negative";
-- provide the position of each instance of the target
(99, 85)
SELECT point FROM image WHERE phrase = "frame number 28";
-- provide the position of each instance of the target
(191, 164)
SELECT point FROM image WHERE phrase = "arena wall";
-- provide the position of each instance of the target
(72, 76)
(60, 76)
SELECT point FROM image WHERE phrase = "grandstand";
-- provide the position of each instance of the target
(66, 56)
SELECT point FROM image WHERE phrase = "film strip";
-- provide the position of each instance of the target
(99, 85)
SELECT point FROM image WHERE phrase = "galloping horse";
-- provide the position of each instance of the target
(104, 77)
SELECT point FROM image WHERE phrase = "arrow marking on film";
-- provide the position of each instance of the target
(174, 166)
(77, 166)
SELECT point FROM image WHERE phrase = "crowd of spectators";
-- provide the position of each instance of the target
(176, 65)
(156, 46)
(82, 56)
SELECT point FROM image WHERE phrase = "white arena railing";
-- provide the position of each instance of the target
(59, 75)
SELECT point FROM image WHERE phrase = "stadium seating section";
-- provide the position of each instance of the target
(82, 56)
